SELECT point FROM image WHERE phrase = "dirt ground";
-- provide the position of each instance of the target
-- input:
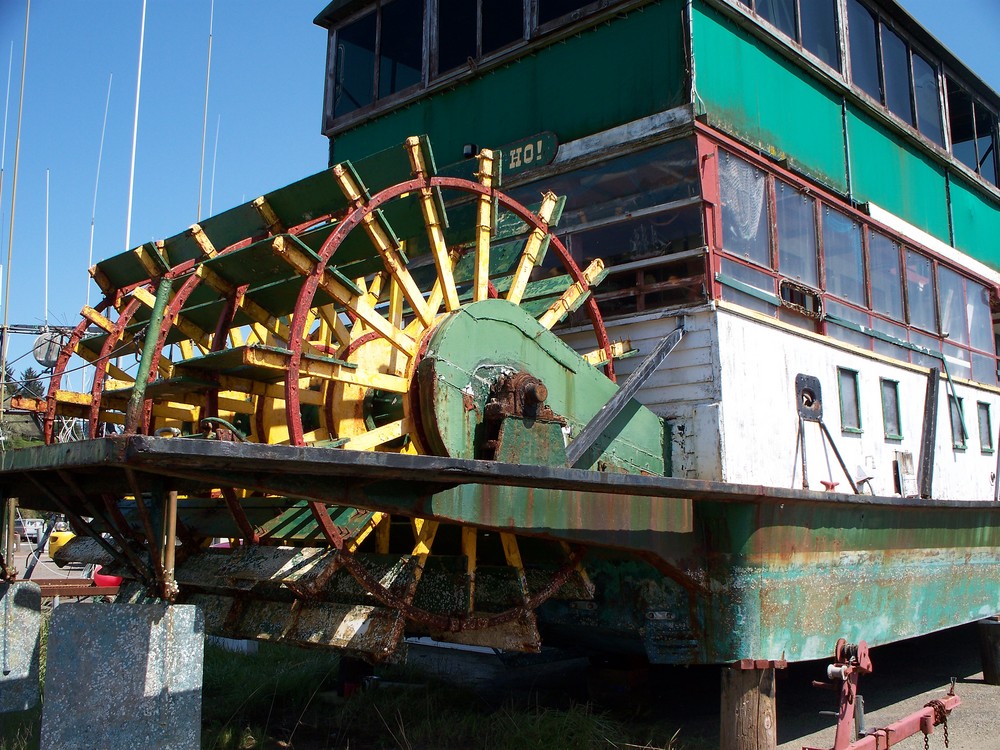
(906, 676)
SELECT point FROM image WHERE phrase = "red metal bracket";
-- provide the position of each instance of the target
(852, 661)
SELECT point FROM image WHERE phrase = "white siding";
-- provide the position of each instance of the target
(759, 362)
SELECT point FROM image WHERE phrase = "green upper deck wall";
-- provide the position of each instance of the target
(748, 89)
(753, 93)
(611, 74)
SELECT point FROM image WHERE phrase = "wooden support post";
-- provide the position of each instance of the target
(989, 649)
(748, 709)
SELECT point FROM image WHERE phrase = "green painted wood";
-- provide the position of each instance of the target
(125, 269)
(568, 88)
(893, 174)
(508, 339)
(747, 89)
(976, 220)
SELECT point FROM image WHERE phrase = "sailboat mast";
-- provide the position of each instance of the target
(13, 202)
(135, 130)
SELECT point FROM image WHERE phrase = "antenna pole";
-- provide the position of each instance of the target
(97, 182)
(204, 122)
(3, 148)
(135, 130)
(13, 202)
(215, 159)
(45, 297)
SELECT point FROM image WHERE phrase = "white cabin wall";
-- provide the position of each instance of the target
(684, 389)
(759, 423)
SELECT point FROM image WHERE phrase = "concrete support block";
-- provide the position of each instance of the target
(20, 627)
(124, 675)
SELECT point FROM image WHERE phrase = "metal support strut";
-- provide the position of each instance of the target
(850, 662)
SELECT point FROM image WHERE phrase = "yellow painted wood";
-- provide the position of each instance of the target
(435, 227)
(185, 326)
(102, 281)
(423, 533)
(572, 295)
(384, 246)
(202, 240)
(469, 538)
(153, 266)
(484, 229)
(380, 435)
(382, 534)
(600, 356)
(302, 264)
(263, 208)
(531, 253)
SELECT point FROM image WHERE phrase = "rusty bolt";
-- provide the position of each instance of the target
(535, 392)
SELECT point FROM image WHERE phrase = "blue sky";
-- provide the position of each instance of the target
(266, 86)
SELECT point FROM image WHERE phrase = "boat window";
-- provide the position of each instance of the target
(502, 24)
(887, 281)
(550, 10)
(920, 291)
(927, 96)
(748, 287)
(958, 437)
(890, 410)
(962, 127)
(973, 128)
(850, 403)
(745, 225)
(986, 127)
(819, 30)
(392, 35)
(471, 29)
(354, 66)
(863, 37)
(896, 72)
(977, 305)
(842, 252)
(780, 14)
(811, 23)
(401, 46)
(951, 296)
(796, 221)
(985, 427)
(457, 29)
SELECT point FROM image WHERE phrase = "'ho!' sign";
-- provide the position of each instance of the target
(529, 153)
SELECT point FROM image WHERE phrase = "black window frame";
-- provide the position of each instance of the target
(798, 38)
(430, 75)
(956, 416)
(884, 22)
(974, 101)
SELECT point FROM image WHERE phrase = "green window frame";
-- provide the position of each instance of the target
(850, 400)
(891, 416)
(985, 427)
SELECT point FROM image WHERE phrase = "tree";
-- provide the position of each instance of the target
(31, 384)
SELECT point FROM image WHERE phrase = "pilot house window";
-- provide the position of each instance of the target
(377, 55)
(472, 29)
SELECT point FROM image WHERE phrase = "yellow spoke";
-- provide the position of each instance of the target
(532, 251)
(574, 295)
(600, 356)
(484, 229)
(380, 436)
(469, 536)
(435, 227)
(385, 246)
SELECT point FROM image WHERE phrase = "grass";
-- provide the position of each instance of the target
(285, 698)
(287, 701)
